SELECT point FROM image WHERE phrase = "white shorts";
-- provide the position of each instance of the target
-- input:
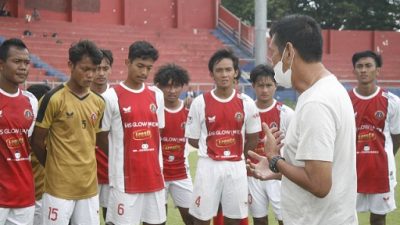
(218, 182)
(17, 216)
(261, 193)
(380, 204)
(104, 193)
(124, 208)
(37, 219)
(181, 192)
(60, 211)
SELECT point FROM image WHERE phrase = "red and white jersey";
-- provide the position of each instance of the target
(277, 115)
(17, 116)
(134, 118)
(221, 124)
(102, 160)
(377, 117)
(173, 142)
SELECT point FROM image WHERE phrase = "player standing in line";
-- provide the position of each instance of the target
(134, 114)
(64, 141)
(99, 86)
(274, 114)
(171, 79)
(217, 124)
(377, 114)
(17, 114)
(38, 90)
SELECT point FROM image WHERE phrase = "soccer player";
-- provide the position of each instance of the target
(218, 123)
(99, 86)
(274, 114)
(134, 114)
(318, 166)
(64, 141)
(17, 114)
(171, 79)
(377, 114)
(38, 90)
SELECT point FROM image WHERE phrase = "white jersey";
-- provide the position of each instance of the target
(113, 123)
(323, 129)
(196, 125)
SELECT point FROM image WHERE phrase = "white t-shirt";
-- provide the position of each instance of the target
(323, 129)
(196, 125)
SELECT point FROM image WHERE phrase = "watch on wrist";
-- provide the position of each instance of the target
(273, 162)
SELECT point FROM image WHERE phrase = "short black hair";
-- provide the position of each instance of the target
(38, 90)
(303, 32)
(142, 50)
(358, 55)
(107, 54)
(178, 75)
(82, 48)
(7, 44)
(221, 54)
(262, 70)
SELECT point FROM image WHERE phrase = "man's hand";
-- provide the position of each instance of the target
(261, 169)
(273, 141)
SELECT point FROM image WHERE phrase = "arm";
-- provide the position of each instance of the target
(102, 141)
(250, 143)
(396, 142)
(193, 142)
(38, 143)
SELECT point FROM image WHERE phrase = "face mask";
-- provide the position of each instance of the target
(283, 79)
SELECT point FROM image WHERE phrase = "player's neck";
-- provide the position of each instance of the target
(366, 89)
(223, 93)
(99, 88)
(172, 105)
(8, 87)
(77, 89)
(264, 104)
(133, 85)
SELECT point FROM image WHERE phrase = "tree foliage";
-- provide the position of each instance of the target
(338, 14)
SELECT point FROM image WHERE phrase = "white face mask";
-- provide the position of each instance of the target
(283, 79)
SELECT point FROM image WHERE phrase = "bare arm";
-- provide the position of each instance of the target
(194, 142)
(396, 143)
(38, 143)
(251, 142)
(102, 141)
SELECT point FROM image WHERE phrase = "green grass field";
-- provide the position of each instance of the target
(392, 219)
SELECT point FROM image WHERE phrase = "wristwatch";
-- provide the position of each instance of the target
(273, 162)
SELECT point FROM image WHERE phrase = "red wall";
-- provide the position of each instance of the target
(136, 13)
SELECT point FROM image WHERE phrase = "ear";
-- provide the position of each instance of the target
(127, 62)
(290, 50)
(70, 65)
(378, 71)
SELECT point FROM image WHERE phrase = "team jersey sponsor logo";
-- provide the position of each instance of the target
(171, 158)
(238, 116)
(172, 147)
(140, 124)
(225, 142)
(379, 115)
(366, 137)
(13, 143)
(141, 134)
(13, 131)
(153, 108)
(173, 139)
(211, 119)
(69, 114)
(28, 114)
(127, 109)
(224, 132)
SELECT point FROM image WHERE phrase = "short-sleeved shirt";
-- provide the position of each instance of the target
(377, 117)
(225, 130)
(322, 129)
(17, 115)
(133, 118)
(174, 146)
(72, 122)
